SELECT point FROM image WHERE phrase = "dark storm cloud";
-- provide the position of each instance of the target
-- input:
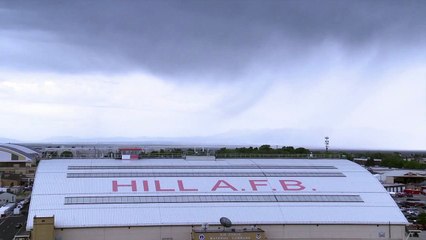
(198, 38)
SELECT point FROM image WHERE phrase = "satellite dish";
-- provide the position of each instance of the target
(225, 222)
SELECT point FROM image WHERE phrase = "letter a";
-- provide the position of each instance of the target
(225, 185)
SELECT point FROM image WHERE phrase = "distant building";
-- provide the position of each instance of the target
(16, 189)
(363, 161)
(183, 199)
(13, 153)
(78, 151)
(394, 187)
(130, 153)
(6, 197)
(11, 179)
(17, 159)
(403, 176)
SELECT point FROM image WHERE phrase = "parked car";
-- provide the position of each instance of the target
(414, 202)
(403, 194)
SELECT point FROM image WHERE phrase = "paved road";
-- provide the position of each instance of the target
(8, 227)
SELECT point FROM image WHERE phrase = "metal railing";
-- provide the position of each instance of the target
(217, 155)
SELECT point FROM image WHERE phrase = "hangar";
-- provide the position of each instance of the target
(13, 153)
(18, 162)
(177, 199)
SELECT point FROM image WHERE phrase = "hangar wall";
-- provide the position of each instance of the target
(272, 232)
(5, 156)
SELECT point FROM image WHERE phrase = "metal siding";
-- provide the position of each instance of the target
(52, 186)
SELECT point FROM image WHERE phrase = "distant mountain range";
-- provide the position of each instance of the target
(8, 140)
(273, 137)
(311, 139)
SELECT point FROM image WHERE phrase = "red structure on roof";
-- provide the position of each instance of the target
(130, 153)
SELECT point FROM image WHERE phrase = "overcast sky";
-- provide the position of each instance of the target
(278, 72)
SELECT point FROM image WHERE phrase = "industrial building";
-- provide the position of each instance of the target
(13, 153)
(403, 176)
(17, 163)
(181, 199)
(6, 197)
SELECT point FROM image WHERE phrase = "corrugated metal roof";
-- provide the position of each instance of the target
(54, 183)
(19, 147)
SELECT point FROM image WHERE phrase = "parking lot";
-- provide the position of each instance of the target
(412, 206)
(12, 224)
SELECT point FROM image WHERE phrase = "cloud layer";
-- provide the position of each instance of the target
(282, 72)
(219, 40)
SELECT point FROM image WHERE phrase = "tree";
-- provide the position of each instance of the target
(421, 219)
(301, 151)
(265, 149)
(369, 162)
(67, 154)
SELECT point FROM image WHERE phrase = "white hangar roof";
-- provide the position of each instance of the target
(153, 192)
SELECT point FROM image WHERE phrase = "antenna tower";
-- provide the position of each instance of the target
(327, 143)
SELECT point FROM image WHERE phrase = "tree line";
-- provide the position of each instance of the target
(264, 149)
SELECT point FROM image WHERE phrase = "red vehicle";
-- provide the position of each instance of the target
(412, 191)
